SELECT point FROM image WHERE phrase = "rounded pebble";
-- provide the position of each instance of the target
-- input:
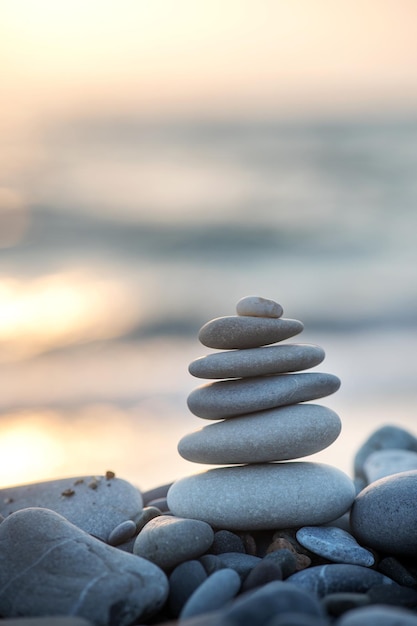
(230, 398)
(278, 434)
(123, 532)
(262, 496)
(378, 616)
(391, 567)
(226, 541)
(264, 572)
(241, 563)
(324, 579)
(168, 540)
(285, 559)
(238, 332)
(337, 604)
(148, 513)
(334, 544)
(259, 307)
(387, 462)
(213, 593)
(183, 581)
(290, 357)
(384, 515)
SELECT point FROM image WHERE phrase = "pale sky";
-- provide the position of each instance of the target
(206, 57)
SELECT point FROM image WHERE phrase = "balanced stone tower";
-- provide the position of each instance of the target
(262, 420)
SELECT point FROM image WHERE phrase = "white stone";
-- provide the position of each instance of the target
(279, 434)
(229, 398)
(258, 307)
(289, 357)
(264, 496)
(240, 332)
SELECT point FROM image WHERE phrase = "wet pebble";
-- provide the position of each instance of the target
(168, 541)
(324, 579)
(183, 581)
(213, 593)
(334, 544)
(378, 616)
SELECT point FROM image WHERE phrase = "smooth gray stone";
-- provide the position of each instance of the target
(240, 332)
(229, 398)
(183, 581)
(259, 307)
(50, 620)
(241, 563)
(264, 603)
(387, 462)
(93, 503)
(213, 593)
(289, 357)
(280, 434)
(386, 437)
(334, 544)
(378, 616)
(325, 579)
(51, 567)
(264, 495)
(384, 515)
(166, 540)
(122, 533)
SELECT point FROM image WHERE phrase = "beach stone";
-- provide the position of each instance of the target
(155, 494)
(273, 599)
(325, 579)
(337, 604)
(183, 581)
(334, 544)
(394, 595)
(297, 619)
(241, 332)
(264, 495)
(290, 357)
(213, 593)
(211, 563)
(241, 563)
(50, 620)
(387, 462)
(95, 504)
(279, 434)
(378, 616)
(384, 515)
(393, 568)
(263, 573)
(226, 541)
(145, 516)
(122, 533)
(168, 541)
(386, 437)
(258, 307)
(51, 567)
(285, 559)
(230, 398)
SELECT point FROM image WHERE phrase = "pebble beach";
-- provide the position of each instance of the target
(266, 537)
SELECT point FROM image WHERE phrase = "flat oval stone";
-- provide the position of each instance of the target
(378, 616)
(258, 307)
(51, 567)
(290, 357)
(325, 579)
(384, 514)
(280, 434)
(236, 332)
(264, 496)
(334, 544)
(123, 532)
(168, 541)
(387, 462)
(213, 593)
(229, 398)
(95, 504)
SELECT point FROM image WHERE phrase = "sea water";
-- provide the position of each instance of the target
(137, 234)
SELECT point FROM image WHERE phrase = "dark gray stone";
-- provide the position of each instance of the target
(230, 398)
(394, 595)
(260, 605)
(393, 568)
(145, 516)
(324, 579)
(384, 515)
(213, 593)
(241, 563)
(51, 620)
(264, 572)
(95, 504)
(211, 563)
(285, 559)
(241, 332)
(258, 307)
(289, 357)
(298, 619)
(167, 540)
(378, 616)
(337, 604)
(226, 541)
(183, 581)
(51, 567)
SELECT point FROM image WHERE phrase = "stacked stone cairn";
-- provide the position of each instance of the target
(262, 421)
